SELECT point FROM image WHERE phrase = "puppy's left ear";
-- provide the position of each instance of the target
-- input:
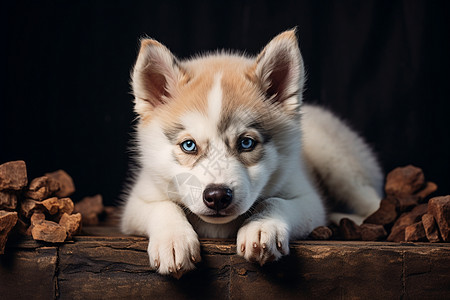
(280, 72)
(155, 77)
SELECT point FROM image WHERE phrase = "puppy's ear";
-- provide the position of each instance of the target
(155, 76)
(280, 72)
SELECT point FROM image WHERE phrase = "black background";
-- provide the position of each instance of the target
(65, 103)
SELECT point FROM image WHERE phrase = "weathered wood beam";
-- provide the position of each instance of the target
(117, 267)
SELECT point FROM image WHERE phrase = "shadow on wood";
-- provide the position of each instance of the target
(102, 267)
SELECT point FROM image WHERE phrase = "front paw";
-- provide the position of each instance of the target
(174, 251)
(263, 240)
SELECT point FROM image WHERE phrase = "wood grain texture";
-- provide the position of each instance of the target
(114, 267)
(28, 272)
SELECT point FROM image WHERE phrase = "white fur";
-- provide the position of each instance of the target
(275, 199)
(215, 100)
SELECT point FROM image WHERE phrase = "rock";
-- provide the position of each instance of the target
(415, 233)
(430, 188)
(37, 218)
(372, 232)
(336, 233)
(111, 216)
(404, 203)
(90, 208)
(430, 226)
(7, 222)
(8, 200)
(404, 181)
(13, 175)
(349, 230)
(72, 224)
(65, 182)
(49, 231)
(28, 207)
(321, 233)
(42, 188)
(61, 206)
(398, 230)
(66, 206)
(439, 207)
(385, 215)
(51, 205)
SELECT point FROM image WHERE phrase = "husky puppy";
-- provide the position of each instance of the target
(226, 149)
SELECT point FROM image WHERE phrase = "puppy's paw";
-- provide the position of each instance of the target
(174, 252)
(263, 240)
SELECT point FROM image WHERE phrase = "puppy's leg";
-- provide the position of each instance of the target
(265, 235)
(173, 244)
(345, 165)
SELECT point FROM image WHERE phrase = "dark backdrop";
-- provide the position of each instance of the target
(65, 103)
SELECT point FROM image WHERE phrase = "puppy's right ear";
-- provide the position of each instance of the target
(155, 76)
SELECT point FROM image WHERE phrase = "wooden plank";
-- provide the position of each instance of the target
(427, 273)
(28, 271)
(116, 267)
(111, 267)
(323, 271)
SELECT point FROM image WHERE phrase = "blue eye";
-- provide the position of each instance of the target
(188, 146)
(247, 144)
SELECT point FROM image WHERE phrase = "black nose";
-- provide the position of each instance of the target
(217, 197)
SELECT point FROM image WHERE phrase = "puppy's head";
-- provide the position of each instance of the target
(218, 132)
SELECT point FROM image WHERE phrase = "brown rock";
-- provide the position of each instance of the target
(404, 181)
(336, 233)
(430, 188)
(372, 232)
(41, 188)
(439, 207)
(7, 222)
(111, 216)
(415, 233)
(349, 230)
(65, 182)
(398, 230)
(385, 215)
(13, 175)
(49, 231)
(66, 206)
(90, 208)
(404, 203)
(56, 206)
(51, 205)
(37, 218)
(321, 233)
(430, 226)
(72, 224)
(8, 200)
(29, 206)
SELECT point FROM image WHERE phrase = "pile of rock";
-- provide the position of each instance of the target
(41, 209)
(405, 214)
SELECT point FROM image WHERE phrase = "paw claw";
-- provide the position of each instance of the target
(267, 239)
(279, 245)
(175, 252)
